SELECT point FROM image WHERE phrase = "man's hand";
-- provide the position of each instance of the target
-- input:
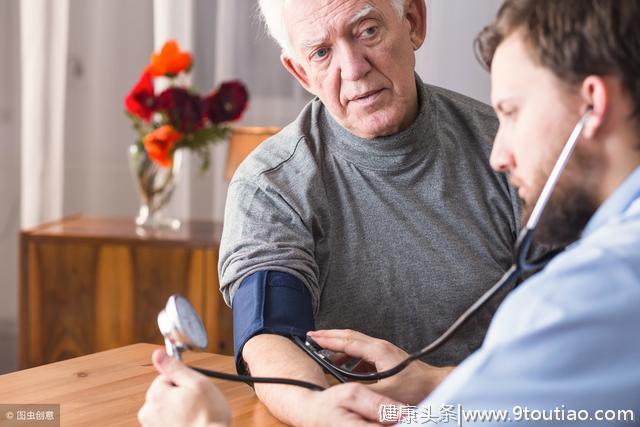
(411, 385)
(180, 396)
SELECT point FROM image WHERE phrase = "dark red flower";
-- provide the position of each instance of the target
(141, 100)
(183, 108)
(227, 103)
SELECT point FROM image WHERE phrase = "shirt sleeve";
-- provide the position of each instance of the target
(565, 341)
(263, 231)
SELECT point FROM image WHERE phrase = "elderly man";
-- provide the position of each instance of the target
(563, 348)
(376, 209)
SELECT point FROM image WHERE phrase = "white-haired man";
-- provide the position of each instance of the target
(375, 210)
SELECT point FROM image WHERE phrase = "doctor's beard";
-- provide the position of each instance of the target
(571, 205)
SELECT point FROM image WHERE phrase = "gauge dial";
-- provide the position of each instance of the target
(190, 324)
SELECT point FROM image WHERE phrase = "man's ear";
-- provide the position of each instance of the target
(415, 12)
(595, 93)
(296, 70)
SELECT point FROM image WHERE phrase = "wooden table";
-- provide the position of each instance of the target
(89, 284)
(108, 388)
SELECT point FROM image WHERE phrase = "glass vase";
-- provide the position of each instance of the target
(155, 185)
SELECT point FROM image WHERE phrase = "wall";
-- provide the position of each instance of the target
(109, 45)
(447, 57)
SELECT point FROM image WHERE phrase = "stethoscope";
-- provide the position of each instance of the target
(183, 330)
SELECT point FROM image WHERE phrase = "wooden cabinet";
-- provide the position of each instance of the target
(91, 284)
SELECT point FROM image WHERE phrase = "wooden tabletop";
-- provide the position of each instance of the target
(108, 388)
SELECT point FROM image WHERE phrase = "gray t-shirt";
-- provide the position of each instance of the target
(394, 236)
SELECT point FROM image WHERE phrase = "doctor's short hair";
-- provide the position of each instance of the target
(272, 12)
(573, 38)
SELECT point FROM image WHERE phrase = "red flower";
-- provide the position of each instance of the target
(159, 143)
(183, 108)
(228, 103)
(170, 61)
(141, 101)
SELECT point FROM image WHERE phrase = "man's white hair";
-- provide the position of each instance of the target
(273, 15)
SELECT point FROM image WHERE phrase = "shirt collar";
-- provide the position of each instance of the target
(617, 203)
(392, 152)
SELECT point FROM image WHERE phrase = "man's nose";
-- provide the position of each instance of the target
(354, 64)
(502, 158)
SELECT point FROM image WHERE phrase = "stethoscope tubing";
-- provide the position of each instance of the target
(510, 278)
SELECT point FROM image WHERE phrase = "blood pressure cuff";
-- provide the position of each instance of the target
(269, 302)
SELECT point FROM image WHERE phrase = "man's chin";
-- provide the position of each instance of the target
(371, 126)
(564, 217)
(526, 209)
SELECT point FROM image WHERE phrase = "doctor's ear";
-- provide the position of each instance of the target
(595, 94)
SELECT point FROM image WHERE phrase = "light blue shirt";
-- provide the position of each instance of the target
(567, 340)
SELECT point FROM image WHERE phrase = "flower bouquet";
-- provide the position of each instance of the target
(171, 120)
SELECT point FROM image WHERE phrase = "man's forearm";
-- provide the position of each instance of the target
(276, 356)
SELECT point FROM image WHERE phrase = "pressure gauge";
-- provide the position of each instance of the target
(181, 327)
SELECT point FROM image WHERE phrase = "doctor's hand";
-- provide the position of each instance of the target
(350, 404)
(180, 396)
(410, 386)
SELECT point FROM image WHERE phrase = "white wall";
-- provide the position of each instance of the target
(104, 65)
(447, 57)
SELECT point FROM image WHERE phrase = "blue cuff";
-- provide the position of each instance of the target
(270, 302)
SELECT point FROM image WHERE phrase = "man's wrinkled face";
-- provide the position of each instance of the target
(357, 57)
(537, 114)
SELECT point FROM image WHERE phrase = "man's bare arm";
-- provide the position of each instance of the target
(277, 356)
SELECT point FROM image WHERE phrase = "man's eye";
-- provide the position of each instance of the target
(509, 113)
(320, 53)
(370, 32)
